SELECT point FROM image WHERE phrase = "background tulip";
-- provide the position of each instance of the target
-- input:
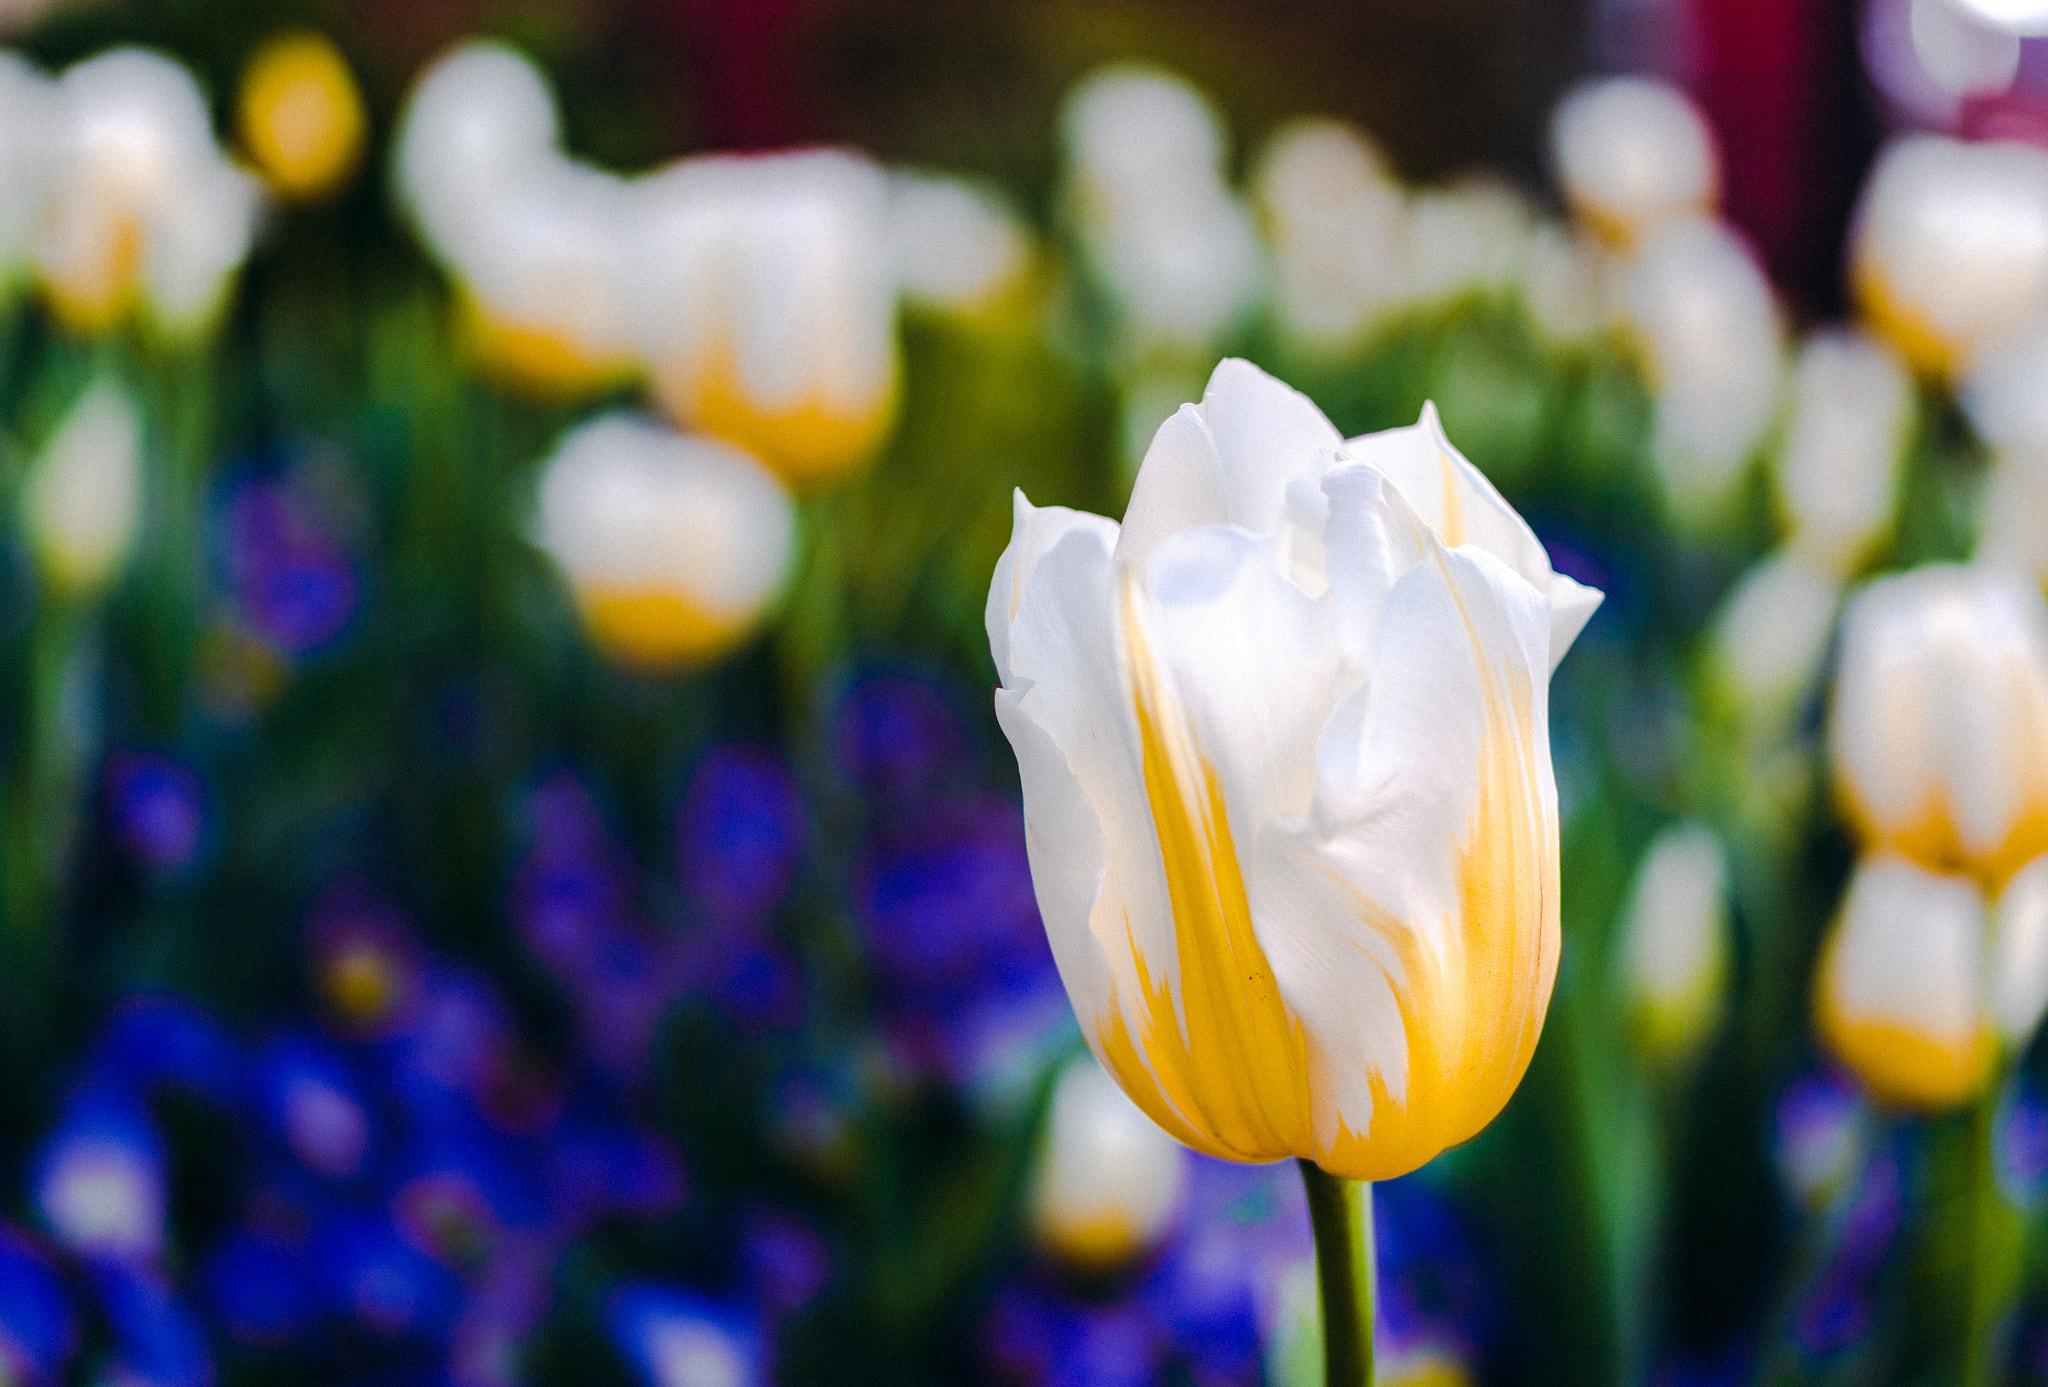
(1852, 409)
(1675, 940)
(1272, 907)
(83, 501)
(1107, 1180)
(301, 116)
(1631, 153)
(1939, 731)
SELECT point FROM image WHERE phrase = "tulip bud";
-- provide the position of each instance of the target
(1566, 286)
(1107, 1180)
(1336, 221)
(301, 116)
(958, 246)
(1160, 228)
(1769, 636)
(1632, 153)
(1468, 238)
(1283, 736)
(765, 293)
(1674, 941)
(1900, 995)
(1950, 246)
(81, 503)
(673, 544)
(2019, 955)
(1852, 407)
(1702, 313)
(1939, 734)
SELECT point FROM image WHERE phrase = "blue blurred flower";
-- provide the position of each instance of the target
(1039, 1335)
(156, 808)
(898, 736)
(151, 1042)
(2021, 1149)
(292, 579)
(1818, 1133)
(600, 1165)
(677, 1338)
(1841, 1304)
(100, 1180)
(307, 1095)
(378, 1280)
(260, 1288)
(740, 834)
(38, 1333)
(786, 1263)
(158, 1341)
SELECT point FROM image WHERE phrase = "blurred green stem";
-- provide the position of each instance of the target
(1340, 1211)
(1994, 1250)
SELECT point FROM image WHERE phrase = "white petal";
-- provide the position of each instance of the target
(2019, 955)
(1267, 434)
(1033, 532)
(1910, 953)
(1180, 485)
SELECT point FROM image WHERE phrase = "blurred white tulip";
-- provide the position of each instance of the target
(30, 131)
(2019, 955)
(1703, 315)
(1674, 941)
(1336, 221)
(1949, 250)
(1107, 1180)
(1852, 411)
(674, 545)
(2014, 529)
(1769, 636)
(1632, 153)
(765, 293)
(1470, 237)
(1900, 993)
(1567, 286)
(81, 502)
(1939, 731)
(958, 245)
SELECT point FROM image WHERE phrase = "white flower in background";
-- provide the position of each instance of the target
(2019, 956)
(29, 135)
(1107, 1181)
(1285, 751)
(1567, 286)
(1939, 735)
(545, 294)
(1927, 57)
(1335, 220)
(82, 500)
(1845, 441)
(477, 124)
(1703, 316)
(1769, 636)
(2005, 392)
(765, 291)
(2014, 514)
(1159, 226)
(1470, 237)
(2027, 18)
(674, 545)
(1900, 993)
(142, 205)
(1632, 153)
(1674, 941)
(958, 245)
(1949, 251)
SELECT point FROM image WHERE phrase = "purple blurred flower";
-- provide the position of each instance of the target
(898, 736)
(309, 1098)
(670, 1335)
(100, 1182)
(158, 1341)
(1842, 1302)
(786, 1263)
(2021, 1150)
(292, 579)
(600, 1165)
(1037, 1335)
(740, 835)
(381, 1283)
(157, 810)
(38, 1333)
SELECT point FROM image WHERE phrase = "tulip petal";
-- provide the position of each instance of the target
(1267, 433)
(1180, 486)
(2019, 955)
(1034, 530)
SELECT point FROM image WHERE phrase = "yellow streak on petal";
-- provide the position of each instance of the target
(654, 629)
(1901, 1066)
(811, 444)
(91, 298)
(1932, 839)
(534, 360)
(1228, 1072)
(301, 116)
(1919, 341)
(1454, 501)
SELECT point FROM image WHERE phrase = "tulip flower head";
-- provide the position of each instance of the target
(82, 501)
(958, 246)
(1702, 313)
(1770, 635)
(143, 209)
(1950, 246)
(1852, 408)
(1107, 1180)
(1939, 735)
(766, 295)
(1900, 994)
(1632, 153)
(478, 121)
(29, 133)
(1675, 940)
(674, 545)
(1284, 744)
(301, 116)
(1336, 220)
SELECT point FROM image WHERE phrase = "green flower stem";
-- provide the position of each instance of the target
(1994, 1251)
(1340, 1211)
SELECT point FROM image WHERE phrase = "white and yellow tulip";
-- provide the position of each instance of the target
(1845, 443)
(1284, 742)
(1107, 1181)
(1632, 153)
(673, 545)
(82, 500)
(1674, 941)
